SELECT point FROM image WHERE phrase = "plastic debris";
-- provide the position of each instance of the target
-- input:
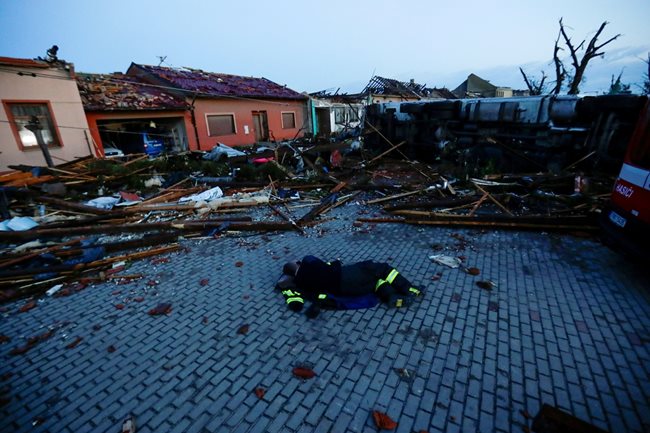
(209, 195)
(54, 289)
(441, 259)
(128, 426)
(106, 203)
(18, 224)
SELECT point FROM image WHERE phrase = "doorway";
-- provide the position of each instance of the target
(323, 121)
(260, 126)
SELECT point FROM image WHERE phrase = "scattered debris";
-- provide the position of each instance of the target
(128, 426)
(73, 222)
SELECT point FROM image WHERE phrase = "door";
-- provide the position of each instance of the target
(324, 122)
(261, 126)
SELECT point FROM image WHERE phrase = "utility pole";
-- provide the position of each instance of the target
(34, 125)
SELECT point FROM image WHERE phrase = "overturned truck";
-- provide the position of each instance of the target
(513, 134)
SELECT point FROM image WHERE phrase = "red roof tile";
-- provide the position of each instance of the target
(28, 63)
(118, 92)
(213, 84)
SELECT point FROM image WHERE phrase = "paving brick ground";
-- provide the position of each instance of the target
(567, 324)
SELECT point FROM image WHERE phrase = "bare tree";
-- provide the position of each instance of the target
(560, 72)
(580, 56)
(589, 52)
(535, 87)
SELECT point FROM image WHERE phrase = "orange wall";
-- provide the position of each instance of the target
(242, 109)
(94, 117)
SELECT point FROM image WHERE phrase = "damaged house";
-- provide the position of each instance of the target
(231, 109)
(476, 87)
(380, 90)
(342, 115)
(335, 115)
(128, 116)
(43, 93)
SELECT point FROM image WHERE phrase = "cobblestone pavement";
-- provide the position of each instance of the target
(567, 324)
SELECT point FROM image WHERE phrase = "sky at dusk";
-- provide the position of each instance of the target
(317, 45)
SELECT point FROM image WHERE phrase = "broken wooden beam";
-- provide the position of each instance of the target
(123, 228)
(381, 155)
(325, 204)
(432, 204)
(582, 224)
(72, 206)
(494, 200)
(395, 197)
(82, 266)
(288, 218)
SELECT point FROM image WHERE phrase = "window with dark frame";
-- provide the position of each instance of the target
(288, 120)
(22, 113)
(221, 124)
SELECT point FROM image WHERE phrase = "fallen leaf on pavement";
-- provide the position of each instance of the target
(28, 306)
(303, 372)
(239, 264)
(162, 308)
(259, 392)
(204, 282)
(75, 343)
(473, 271)
(383, 421)
(243, 329)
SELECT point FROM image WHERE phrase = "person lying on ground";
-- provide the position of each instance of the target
(333, 285)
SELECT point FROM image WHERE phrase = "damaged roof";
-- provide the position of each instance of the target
(388, 86)
(26, 63)
(119, 92)
(214, 84)
(474, 86)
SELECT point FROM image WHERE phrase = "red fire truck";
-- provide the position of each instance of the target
(626, 222)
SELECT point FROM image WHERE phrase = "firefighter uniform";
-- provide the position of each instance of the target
(319, 281)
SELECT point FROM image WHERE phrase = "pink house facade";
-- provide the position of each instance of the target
(35, 89)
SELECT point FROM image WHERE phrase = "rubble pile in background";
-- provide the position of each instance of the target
(84, 221)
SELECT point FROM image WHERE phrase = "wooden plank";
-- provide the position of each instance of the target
(394, 197)
(494, 200)
(550, 224)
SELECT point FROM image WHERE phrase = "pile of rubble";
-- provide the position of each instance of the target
(66, 226)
